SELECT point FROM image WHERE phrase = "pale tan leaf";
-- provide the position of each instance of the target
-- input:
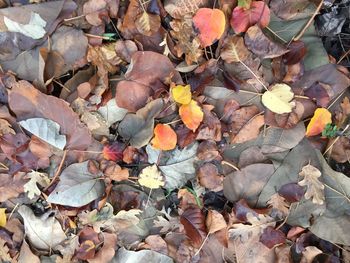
(31, 187)
(215, 221)
(147, 24)
(278, 98)
(5, 127)
(278, 202)
(309, 254)
(4, 251)
(314, 187)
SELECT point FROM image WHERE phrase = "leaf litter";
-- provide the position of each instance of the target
(172, 131)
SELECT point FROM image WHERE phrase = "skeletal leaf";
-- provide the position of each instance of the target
(31, 187)
(314, 187)
(45, 129)
(278, 99)
(151, 177)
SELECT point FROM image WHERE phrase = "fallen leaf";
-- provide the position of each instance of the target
(150, 177)
(257, 13)
(209, 177)
(116, 173)
(234, 49)
(278, 98)
(292, 192)
(258, 43)
(278, 202)
(191, 114)
(182, 94)
(165, 138)
(3, 219)
(77, 186)
(111, 112)
(124, 255)
(292, 9)
(5, 127)
(46, 130)
(211, 25)
(147, 24)
(4, 251)
(43, 232)
(314, 187)
(215, 221)
(27, 102)
(138, 127)
(193, 221)
(272, 237)
(11, 186)
(309, 254)
(107, 252)
(249, 131)
(177, 165)
(31, 187)
(95, 12)
(318, 122)
(26, 254)
(114, 151)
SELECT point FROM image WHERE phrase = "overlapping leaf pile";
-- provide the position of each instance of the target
(171, 131)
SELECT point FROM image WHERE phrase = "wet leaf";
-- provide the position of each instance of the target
(257, 13)
(191, 114)
(77, 186)
(210, 23)
(278, 98)
(318, 122)
(150, 177)
(314, 187)
(165, 138)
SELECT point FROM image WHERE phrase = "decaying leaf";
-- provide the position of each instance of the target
(11, 185)
(318, 122)
(278, 202)
(151, 177)
(77, 186)
(278, 98)
(314, 187)
(45, 129)
(164, 138)
(31, 187)
(234, 50)
(44, 232)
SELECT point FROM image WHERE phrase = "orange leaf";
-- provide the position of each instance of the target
(114, 151)
(210, 23)
(242, 18)
(318, 122)
(164, 137)
(191, 115)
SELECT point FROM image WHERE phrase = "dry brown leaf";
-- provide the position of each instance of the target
(106, 253)
(250, 130)
(215, 221)
(234, 50)
(11, 185)
(5, 127)
(314, 187)
(257, 42)
(4, 251)
(116, 173)
(156, 243)
(343, 114)
(180, 8)
(147, 24)
(309, 254)
(209, 177)
(278, 202)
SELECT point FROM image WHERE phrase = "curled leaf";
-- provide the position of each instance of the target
(278, 99)
(318, 122)
(165, 138)
(191, 114)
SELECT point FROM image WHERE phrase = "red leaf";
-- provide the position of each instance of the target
(242, 18)
(114, 151)
(272, 237)
(194, 222)
(292, 192)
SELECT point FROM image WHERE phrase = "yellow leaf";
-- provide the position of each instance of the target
(318, 122)
(2, 217)
(182, 94)
(150, 177)
(278, 99)
(191, 115)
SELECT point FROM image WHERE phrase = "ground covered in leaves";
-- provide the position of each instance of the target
(174, 131)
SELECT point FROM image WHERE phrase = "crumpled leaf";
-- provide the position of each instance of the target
(138, 127)
(43, 232)
(165, 138)
(27, 102)
(257, 13)
(182, 94)
(124, 255)
(314, 187)
(31, 187)
(177, 165)
(278, 98)
(151, 177)
(210, 24)
(45, 129)
(77, 186)
(318, 122)
(278, 202)
(191, 114)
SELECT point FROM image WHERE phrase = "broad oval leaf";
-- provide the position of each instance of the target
(318, 122)
(164, 137)
(191, 114)
(46, 130)
(182, 94)
(210, 23)
(278, 99)
(77, 186)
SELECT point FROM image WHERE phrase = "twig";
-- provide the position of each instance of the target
(58, 170)
(301, 33)
(231, 165)
(73, 18)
